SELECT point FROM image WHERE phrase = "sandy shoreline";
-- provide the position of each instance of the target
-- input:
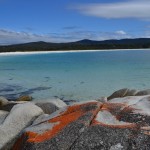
(68, 51)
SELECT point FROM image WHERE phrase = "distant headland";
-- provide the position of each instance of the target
(139, 43)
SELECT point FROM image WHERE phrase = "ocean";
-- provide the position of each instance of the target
(73, 75)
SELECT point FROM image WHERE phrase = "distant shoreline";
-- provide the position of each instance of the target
(64, 51)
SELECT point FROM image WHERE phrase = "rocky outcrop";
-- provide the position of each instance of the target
(57, 102)
(47, 107)
(128, 92)
(120, 124)
(20, 116)
(50, 105)
(144, 92)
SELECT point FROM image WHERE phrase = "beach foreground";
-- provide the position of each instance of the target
(119, 121)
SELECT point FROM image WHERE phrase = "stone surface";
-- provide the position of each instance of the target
(131, 92)
(128, 92)
(3, 101)
(61, 131)
(3, 115)
(102, 99)
(119, 93)
(10, 105)
(144, 92)
(70, 102)
(119, 124)
(47, 107)
(20, 117)
(7, 107)
(24, 98)
(57, 102)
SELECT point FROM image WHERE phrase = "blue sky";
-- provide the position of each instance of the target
(24, 21)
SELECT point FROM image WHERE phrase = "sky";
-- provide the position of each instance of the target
(23, 21)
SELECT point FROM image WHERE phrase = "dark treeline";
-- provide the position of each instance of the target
(79, 45)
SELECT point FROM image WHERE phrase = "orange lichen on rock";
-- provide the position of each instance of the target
(146, 130)
(70, 115)
(78, 107)
(115, 109)
(125, 126)
(19, 142)
(111, 107)
(126, 111)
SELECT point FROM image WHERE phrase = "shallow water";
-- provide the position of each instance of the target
(75, 76)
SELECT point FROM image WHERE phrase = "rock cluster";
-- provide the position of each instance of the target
(128, 92)
(15, 116)
(120, 123)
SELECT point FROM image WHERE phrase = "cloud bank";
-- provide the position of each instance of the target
(12, 37)
(138, 9)
(8, 37)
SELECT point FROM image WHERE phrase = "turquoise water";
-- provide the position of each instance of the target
(75, 76)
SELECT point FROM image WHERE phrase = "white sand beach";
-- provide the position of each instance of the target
(64, 51)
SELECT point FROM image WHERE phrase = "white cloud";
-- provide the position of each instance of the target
(139, 9)
(114, 35)
(121, 32)
(11, 37)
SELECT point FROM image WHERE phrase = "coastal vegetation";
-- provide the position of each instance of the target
(85, 44)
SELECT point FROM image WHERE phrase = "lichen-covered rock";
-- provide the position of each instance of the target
(25, 98)
(59, 131)
(120, 124)
(20, 117)
(3, 101)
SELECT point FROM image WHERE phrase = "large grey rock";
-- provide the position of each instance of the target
(57, 102)
(19, 117)
(59, 132)
(45, 117)
(47, 107)
(125, 92)
(3, 115)
(100, 137)
(131, 92)
(3, 101)
(119, 124)
(8, 106)
(119, 93)
(144, 92)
